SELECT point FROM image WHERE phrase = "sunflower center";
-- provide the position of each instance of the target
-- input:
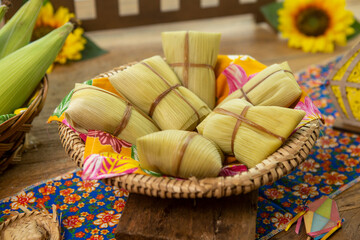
(41, 31)
(312, 22)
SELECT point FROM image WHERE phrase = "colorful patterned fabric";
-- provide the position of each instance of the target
(248, 63)
(108, 156)
(331, 167)
(89, 210)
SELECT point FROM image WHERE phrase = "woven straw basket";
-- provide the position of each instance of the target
(293, 152)
(33, 224)
(12, 132)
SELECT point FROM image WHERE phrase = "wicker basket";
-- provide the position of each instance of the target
(35, 224)
(293, 152)
(12, 132)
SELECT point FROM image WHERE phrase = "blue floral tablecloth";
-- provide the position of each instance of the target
(89, 210)
(331, 167)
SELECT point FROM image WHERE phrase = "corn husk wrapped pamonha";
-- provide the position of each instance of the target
(250, 133)
(93, 108)
(274, 86)
(152, 86)
(180, 154)
(193, 56)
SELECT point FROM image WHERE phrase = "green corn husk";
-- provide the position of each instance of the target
(251, 145)
(141, 86)
(278, 89)
(3, 10)
(18, 30)
(97, 109)
(180, 154)
(23, 70)
(202, 48)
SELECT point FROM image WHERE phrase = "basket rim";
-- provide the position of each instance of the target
(13, 130)
(278, 164)
(42, 94)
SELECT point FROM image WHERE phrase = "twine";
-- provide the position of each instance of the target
(124, 121)
(160, 97)
(180, 156)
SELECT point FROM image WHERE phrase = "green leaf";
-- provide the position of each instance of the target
(270, 12)
(134, 154)
(155, 174)
(91, 49)
(5, 117)
(63, 105)
(356, 27)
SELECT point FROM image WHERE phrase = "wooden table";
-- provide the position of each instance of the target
(146, 218)
(240, 35)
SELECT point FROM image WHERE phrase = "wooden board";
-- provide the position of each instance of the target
(154, 218)
(350, 126)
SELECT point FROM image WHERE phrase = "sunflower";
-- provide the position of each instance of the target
(315, 25)
(49, 20)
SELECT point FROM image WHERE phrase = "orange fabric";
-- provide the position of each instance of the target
(93, 145)
(104, 83)
(249, 64)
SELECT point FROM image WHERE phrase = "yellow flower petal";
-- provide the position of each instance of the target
(337, 29)
(74, 43)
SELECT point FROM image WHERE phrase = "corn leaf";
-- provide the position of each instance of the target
(3, 9)
(18, 30)
(22, 70)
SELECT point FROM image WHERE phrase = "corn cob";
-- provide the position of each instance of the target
(22, 70)
(18, 30)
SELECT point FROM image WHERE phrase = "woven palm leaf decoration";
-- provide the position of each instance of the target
(344, 88)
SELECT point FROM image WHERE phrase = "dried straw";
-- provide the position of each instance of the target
(31, 225)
